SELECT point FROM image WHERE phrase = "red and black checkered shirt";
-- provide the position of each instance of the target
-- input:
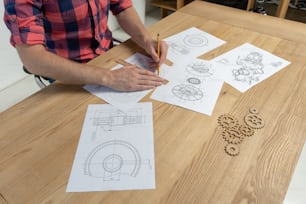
(74, 29)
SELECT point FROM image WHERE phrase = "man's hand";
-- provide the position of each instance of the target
(151, 49)
(132, 78)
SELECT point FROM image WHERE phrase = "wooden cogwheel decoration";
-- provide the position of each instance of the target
(228, 121)
(233, 132)
(232, 149)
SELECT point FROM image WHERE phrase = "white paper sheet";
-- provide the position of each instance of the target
(296, 193)
(191, 85)
(191, 43)
(247, 65)
(115, 151)
(122, 99)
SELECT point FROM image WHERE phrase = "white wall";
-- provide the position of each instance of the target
(10, 65)
(140, 6)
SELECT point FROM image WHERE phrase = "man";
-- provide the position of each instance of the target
(52, 37)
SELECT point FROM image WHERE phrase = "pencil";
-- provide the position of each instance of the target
(158, 52)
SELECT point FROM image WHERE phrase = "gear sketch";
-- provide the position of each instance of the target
(200, 68)
(113, 159)
(195, 40)
(189, 41)
(187, 92)
(193, 80)
(178, 48)
(250, 68)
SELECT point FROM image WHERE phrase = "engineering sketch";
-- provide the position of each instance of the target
(191, 89)
(113, 159)
(189, 41)
(187, 92)
(200, 68)
(251, 67)
(109, 121)
(195, 40)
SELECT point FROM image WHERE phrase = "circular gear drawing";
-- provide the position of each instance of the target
(253, 110)
(232, 136)
(195, 40)
(228, 121)
(254, 121)
(193, 80)
(200, 69)
(246, 130)
(187, 92)
(111, 160)
(112, 163)
(232, 149)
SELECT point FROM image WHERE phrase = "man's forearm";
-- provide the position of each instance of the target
(131, 23)
(41, 62)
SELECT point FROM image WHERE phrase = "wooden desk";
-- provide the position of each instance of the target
(39, 136)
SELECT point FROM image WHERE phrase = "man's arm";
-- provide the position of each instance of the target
(42, 62)
(131, 23)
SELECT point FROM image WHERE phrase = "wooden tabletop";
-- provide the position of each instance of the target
(39, 136)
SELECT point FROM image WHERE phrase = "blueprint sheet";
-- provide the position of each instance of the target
(191, 43)
(115, 150)
(122, 99)
(245, 66)
(191, 85)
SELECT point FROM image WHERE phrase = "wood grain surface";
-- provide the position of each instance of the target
(39, 136)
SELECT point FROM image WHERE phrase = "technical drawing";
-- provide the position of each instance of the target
(187, 92)
(200, 68)
(108, 121)
(193, 80)
(195, 40)
(189, 41)
(191, 89)
(251, 68)
(178, 48)
(113, 159)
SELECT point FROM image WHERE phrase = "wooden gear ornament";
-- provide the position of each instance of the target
(234, 133)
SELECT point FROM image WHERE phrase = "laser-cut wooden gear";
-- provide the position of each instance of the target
(232, 136)
(232, 149)
(254, 121)
(254, 110)
(228, 121)
(246, 130)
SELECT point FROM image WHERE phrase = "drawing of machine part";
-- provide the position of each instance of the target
(178, 48)
(250, 68)
(189, 90)
(195, 40)
(112, 120)
(190, 41)
(200, 68)
(112, 160)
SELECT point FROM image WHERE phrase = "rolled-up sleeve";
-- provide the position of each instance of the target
(118, 6)
(24, 19)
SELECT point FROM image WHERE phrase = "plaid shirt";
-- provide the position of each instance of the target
(74, 29)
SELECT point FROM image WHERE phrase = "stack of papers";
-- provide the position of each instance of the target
(116, 149)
